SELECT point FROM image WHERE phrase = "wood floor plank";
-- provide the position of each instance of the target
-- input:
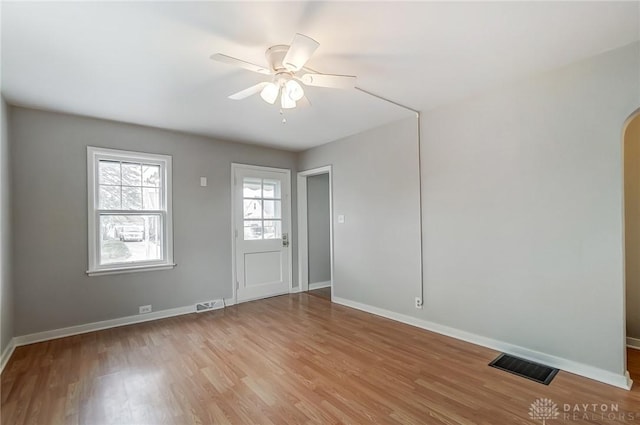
(295, 359)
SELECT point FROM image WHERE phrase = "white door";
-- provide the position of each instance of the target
(261, 231)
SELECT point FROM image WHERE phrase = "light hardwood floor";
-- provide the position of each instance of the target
(322, 293)
(293, 359)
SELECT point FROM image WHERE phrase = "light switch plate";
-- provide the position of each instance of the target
(203, 181)
(340, 218)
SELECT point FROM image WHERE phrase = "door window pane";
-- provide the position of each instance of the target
(262, 206)
(252, 208)
(272, 229)
(252, 188)
(128, 239)
(272, 209)
(271, 189)
(252, 230)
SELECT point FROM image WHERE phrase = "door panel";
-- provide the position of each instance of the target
(261, 231)
(262, 268)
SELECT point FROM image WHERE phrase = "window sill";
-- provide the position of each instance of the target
(132, 269)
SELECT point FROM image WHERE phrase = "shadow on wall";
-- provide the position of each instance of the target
(632, 226)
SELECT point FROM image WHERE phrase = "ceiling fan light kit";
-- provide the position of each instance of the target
(294, 90)
(270, 93)
(285, 63)
(286, 102)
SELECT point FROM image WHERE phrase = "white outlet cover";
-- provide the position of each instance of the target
(144, 309)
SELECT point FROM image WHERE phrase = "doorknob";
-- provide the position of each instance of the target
(285, 240)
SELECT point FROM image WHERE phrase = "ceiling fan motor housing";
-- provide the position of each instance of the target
(275, 56)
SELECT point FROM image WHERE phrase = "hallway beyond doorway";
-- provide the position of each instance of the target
(322, 293)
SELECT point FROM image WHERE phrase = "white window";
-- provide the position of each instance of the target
(262, 203)
(130, 226)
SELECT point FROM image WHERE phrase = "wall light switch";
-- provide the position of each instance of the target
(203, 181)
(340, 218)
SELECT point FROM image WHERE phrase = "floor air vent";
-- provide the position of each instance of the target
(524, 368)
(209, 305)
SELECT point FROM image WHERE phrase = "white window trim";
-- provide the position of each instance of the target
(93, 156)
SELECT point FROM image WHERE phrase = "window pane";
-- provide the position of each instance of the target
(272, 209)
(252, 230)
(131, 198)
(151, 175)
(109, 172)
(271, 189)
(252, 188)
(109, 198)
(272, 229)
(131, 174)
(252, 208)
(130, 239)
(151, 198)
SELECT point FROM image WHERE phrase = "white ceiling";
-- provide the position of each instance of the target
(148, 62)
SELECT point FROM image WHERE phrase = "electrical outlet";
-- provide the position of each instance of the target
(144, 309)
(419, 303)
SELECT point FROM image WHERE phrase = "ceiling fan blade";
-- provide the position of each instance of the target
(219, 57)
(329, 80)
(300, 50)
(243, 94)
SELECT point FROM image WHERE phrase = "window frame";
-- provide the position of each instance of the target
(94, 155)
(262, 199)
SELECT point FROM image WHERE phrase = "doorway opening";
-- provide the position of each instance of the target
(631, 166)
(315, 232)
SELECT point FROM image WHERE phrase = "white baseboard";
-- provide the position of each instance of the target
(96, 326)
(633, 343)
(629, 381)
(6, 354)
(605, 376)
(319, 285)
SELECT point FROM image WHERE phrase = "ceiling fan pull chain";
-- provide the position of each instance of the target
(284, 120)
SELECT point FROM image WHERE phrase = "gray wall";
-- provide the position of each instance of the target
(6, 286)
(522, 210)
(50, 220)
(375, 186)
(522, 193)
(632, 225)
(319, 230)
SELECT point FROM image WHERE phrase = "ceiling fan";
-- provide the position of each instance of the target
(286, 66)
